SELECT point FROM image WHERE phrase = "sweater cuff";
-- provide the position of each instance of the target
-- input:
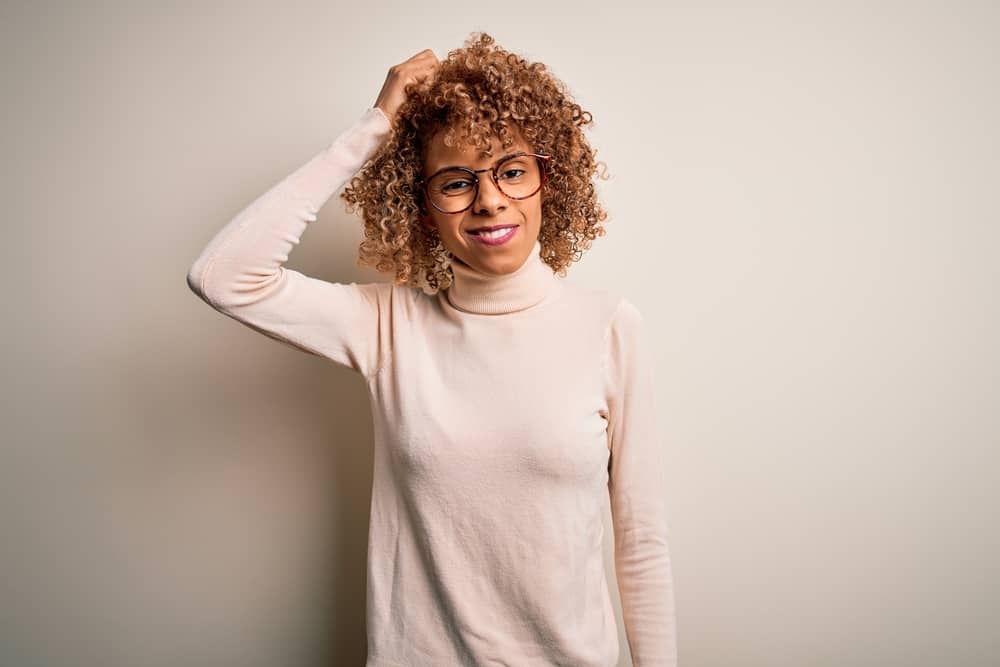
(375, 111)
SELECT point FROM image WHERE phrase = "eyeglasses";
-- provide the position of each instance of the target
(518, 176)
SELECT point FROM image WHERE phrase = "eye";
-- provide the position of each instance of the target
(456, 186)
(512, 173)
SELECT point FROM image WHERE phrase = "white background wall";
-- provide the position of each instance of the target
(803, 204)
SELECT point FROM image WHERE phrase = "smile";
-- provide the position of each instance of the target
(495, 237)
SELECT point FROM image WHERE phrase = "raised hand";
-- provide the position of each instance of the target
(417, 67)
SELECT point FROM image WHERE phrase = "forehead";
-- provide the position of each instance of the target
(437, 154)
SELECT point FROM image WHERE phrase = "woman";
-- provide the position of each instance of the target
(507, 402)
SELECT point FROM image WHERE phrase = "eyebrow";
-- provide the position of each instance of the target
(495, 162)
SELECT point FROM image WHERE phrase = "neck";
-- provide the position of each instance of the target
(486, 294)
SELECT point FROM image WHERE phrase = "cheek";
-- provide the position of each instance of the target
(441, 223)
(536, 210)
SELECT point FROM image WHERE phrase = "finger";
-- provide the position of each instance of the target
(431, 65)
(426, 53)
(422, 71)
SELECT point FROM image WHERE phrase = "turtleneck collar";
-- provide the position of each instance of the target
(485, 294)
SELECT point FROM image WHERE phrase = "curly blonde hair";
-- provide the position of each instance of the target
(477, 92)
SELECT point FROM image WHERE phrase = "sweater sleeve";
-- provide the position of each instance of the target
(240, 272)
(636, 487)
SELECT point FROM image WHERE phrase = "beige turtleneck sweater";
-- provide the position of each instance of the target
(507, 410)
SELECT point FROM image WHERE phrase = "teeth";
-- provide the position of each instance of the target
(495, 234)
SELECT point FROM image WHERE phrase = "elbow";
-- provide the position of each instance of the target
(197, 281)
(194, 283)
(195, 276)
(222, 289)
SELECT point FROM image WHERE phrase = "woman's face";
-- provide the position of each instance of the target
(489, 208)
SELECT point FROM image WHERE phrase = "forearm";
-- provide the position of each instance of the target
(243, 260)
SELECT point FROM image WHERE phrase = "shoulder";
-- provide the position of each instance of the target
(401, 294)
(610, 319)
(602, 304)
(627, 316)
(613, 310)
(388, 298)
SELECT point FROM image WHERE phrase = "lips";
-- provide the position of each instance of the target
(498, 238)
(489, 229)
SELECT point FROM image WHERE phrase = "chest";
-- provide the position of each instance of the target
(482, 402)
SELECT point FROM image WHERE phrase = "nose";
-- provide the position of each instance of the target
(489, 199)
